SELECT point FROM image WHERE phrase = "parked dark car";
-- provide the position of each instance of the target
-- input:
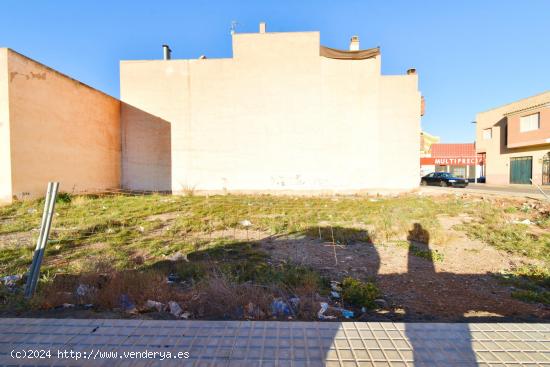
(443, 179)
(480, 179)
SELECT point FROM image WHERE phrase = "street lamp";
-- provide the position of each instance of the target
(475, 165)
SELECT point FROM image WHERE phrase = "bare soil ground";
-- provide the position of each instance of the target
(416, 288)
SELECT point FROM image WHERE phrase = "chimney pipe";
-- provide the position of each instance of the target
(354, 43)
(166, 52)
(262, 27)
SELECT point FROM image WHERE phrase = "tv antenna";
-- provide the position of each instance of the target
(234, 26)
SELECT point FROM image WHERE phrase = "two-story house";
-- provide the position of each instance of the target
(515, 140)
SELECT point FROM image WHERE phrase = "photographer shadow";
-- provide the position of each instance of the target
(441, 344)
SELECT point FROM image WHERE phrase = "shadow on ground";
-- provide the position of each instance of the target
(256, 272)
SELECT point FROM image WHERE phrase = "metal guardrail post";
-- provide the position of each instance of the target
(47, 215)
(39, 240)
(541, 190)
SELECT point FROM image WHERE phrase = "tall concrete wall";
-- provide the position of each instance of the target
(399, 131)
(277, 117)
(146, 151)
(497, 153)
(5, 156)
(61, 130)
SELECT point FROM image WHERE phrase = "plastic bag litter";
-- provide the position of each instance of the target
(178, 256)
(280, 307)
(82, 290)
(245, 223)
(172, 278)
(126, 304)
(346, 313)
(294, 302)
(154, 305)
(253, 311)
(175, 308)
(321, 314)
(10, 280)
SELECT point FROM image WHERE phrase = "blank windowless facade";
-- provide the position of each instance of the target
(283, 114)
(55, 128)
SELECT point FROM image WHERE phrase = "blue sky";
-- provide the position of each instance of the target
(471, 55)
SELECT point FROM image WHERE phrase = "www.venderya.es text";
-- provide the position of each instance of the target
(95, 354)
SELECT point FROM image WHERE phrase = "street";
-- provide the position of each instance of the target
(508, 190)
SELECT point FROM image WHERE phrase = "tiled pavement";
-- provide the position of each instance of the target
(248, 343)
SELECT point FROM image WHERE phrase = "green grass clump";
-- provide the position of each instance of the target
(532, 296)
(12, 301)
(63, 197)
(15, 260)
(358, 293)
(191, 271)
(431, 255)
(536, 274)
(532, 281)
(339, 235)
(428, 254)
(494, 229)
(245, 262)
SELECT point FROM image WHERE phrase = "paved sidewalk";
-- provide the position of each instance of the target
(244, 343)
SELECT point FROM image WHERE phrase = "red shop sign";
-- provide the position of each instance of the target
(458, 161)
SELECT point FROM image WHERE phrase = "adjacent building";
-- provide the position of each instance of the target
(55, 128)
(283, 114)
(459, 159)
(426, 141)
(515, 141)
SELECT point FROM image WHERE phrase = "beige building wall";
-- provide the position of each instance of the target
(60, 130)
(497, 153)
(146, 151)
(5, 156)
(279, 117)
(399, 120)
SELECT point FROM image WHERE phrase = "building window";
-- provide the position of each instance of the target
(529, 123)
(487, 134)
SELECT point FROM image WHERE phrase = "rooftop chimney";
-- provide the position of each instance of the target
(166, 52)
(262, 27)
(354, 43)
(411, 71)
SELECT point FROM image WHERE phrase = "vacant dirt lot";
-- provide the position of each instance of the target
(416, 257)
(462, 284)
